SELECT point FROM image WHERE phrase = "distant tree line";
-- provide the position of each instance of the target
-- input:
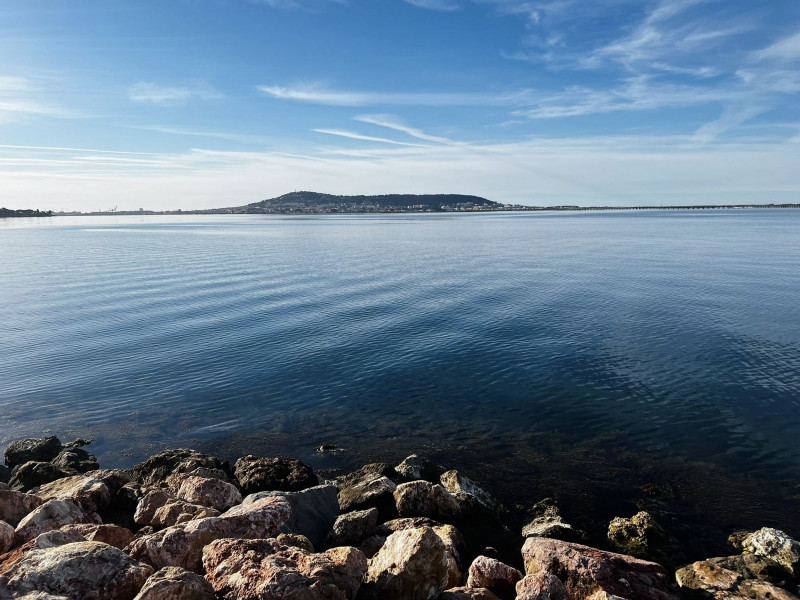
(7, 212)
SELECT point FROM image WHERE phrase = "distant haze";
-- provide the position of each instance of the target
(167, 104)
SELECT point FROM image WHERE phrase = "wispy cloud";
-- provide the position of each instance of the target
(315, 94)
(357, 136)
(164, 95)
(221, 135)
(19, 97)
(784, 50)
(442, 5)
(395, 123)
(305, 5)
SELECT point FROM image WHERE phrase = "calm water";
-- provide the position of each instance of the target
(673, 334)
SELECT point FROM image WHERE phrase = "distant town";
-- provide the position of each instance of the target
(314, 203)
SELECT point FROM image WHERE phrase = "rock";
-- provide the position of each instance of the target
(542, 586)
(114, 479)
(32, 449)
(113, 535)
(425, 499)
(210, 492)
(160, 509)
(702, 575)
(174, 583)
(712, 577)
(751, 566)
(15, 505)
(75, 460)
(273, 474)
(79, 570)
(314, 511)
(775, 545)
(390, 527)
(491, 573)
(32, 474)
(640, 536)
(548, 523)
(155, 471)
(415, 467)
(53, 514)
(295, 540)
(182, 545)
(455, 548)
(372, 545)
(6, 537)
(263, 569)
(91, 494)
(474, 501)
(350, 529)
(175, 480)
(584, 570)
(411, 565)
(53, 538)
(376, 492)
(325, 448)
(467, 593)
(5, 474)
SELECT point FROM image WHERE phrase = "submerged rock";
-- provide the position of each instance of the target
(32, 449)
(263, 569)
(411, 565)
(78, 570)
(174, 583)
(273, 474)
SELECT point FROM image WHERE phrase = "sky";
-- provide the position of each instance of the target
(168, 104)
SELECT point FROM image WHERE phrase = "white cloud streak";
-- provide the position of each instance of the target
(147, 92)
(395, 123)
(357, 136)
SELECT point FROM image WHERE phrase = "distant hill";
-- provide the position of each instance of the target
(316, 203)
(7, 212)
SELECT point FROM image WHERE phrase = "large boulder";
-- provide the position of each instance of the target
(263, 569)
(6, 537)
(174, 583)
(212, 492)
(32, 449)
(775, 545)
(113, 535)
(75, 460)
(475, 502)
(371, 486)
(156, 470)
(182, 545)
(91, 494)
(160, 509)
(32, 474)
(273, 474)
(411, 565)
(547, 522)
(80, 570)
(314, 511)
(53, 514)
(425, 499)
(15, 505)
(584, 570)
(713, 580)
(485, 572)
(350, 529)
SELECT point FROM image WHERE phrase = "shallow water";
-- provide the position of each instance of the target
(666, 334)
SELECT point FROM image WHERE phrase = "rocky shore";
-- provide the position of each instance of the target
(185, 525)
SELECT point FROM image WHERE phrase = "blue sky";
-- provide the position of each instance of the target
(167, 104)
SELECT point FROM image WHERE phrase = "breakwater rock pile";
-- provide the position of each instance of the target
(187, 526)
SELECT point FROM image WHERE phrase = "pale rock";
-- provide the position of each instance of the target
(160, 509)
(775, 545)
(174, 583)
(541, 586)
(209, 492)
(91, 494)
(493, 574)
(425, 499)
(15, 505)
(415, 467)
(411, 565)
(53, 514)
(6, 537)
(182, 545)
(263, 569)
(80, 570)
(475, 502)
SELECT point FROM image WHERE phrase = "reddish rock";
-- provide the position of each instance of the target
(160, 509)
(182, 545)
(584, 570)
(425, 499)
(542, 586)
(91, 494)
(493, 574)
(53, 514)
(411, 565)
(296, 540)
(468, 593)
(209, 492)
(79, 570)
(113, 535)
(266, 570)
(15, 505)
(174, 583)
(273, 474)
